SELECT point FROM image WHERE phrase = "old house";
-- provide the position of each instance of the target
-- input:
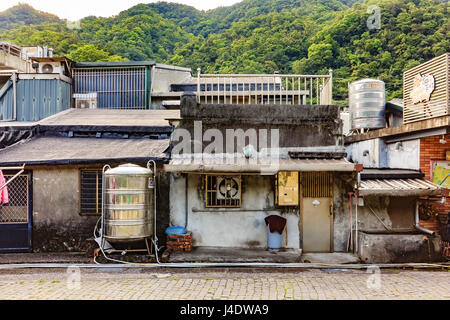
(55, 203)
(406, 164)
(233, 165)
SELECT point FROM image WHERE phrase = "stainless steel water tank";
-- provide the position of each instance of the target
(367, 104)
(129, 203)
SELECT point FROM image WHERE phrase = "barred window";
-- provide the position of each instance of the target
(223, 191)
(91, 192)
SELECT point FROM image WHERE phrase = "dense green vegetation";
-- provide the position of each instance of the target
(254, 36)
(24, 14)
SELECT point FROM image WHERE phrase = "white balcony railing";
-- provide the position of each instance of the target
(265, 89)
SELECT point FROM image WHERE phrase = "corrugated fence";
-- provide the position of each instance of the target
(36, 99)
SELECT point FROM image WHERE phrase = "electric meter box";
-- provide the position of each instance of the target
(287, 189)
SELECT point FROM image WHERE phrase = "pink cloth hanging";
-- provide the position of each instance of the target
(4, 198)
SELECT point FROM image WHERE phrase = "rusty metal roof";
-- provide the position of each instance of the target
(399, 187)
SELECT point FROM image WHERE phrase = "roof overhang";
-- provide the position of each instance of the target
(399, 188)
(263, 166)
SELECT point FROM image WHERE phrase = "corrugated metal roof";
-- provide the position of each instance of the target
(399, 187)
(268, 165)
(59, 151)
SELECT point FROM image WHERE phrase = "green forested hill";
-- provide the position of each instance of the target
(255, 36)
(24, 14)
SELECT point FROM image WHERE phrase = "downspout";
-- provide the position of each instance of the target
(417, 222)
(14, 80)
(186, 203)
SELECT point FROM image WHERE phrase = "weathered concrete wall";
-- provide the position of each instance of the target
(377, 154)
(234, 228)
(398, 248)
(165, 75)
(342, 187)
(57, 224)
(298, 125)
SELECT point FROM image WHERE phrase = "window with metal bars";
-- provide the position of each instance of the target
(90, 192)
(16, 210)
(223, 191)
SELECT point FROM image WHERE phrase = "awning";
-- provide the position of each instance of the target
(263, 166)
(399, 188)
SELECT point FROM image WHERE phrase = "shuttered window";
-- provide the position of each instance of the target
(91, 192)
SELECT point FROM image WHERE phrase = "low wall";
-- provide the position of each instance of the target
(398, 248)
(234, 228)
(57, 224)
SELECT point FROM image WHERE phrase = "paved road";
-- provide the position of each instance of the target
(226, 284)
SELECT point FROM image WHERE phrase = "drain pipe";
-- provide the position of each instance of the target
(417, 222)
(186, 203)
(14, 80)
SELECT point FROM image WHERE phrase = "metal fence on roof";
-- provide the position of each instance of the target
(116, 88)
(36, 99)
(265, 89)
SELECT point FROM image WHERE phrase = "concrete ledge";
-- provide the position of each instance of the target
(235, 255)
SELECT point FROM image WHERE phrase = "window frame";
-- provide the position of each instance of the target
(99, 196)
(208, 192)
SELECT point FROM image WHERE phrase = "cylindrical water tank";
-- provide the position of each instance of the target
(367, 104)
(129, 203)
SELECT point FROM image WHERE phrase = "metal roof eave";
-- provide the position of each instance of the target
(120, 64)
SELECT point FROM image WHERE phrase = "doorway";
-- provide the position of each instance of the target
(15, 216)
(316, 216)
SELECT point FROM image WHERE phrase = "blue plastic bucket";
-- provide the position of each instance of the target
(275, 241)
(175, 231)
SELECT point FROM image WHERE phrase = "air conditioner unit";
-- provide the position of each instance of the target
(86, 101)
(51, 68)
(229, 188)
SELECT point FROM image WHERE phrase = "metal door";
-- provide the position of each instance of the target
(15, 216)
(317, 212)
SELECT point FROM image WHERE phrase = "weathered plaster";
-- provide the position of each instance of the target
(234, 228)
(376, 153)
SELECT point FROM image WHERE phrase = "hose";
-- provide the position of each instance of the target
(159, 264)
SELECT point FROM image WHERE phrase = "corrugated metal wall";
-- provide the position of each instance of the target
(117, 88)
(37, 99)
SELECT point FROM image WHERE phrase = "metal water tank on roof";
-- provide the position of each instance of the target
(129, 203)
(367, 104)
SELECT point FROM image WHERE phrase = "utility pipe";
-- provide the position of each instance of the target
(350, 195)
(186, 203)
(14, 80)
(22, 169)
(356, 226)
(417, 223)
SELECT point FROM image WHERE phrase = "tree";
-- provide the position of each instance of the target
(91, 53)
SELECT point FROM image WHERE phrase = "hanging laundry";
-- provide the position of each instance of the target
(4, 199)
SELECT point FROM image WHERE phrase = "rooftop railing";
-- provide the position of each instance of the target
(265, 89)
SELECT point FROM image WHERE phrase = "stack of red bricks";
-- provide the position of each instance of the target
(180, 242)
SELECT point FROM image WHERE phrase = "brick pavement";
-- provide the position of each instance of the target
(223, 285)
